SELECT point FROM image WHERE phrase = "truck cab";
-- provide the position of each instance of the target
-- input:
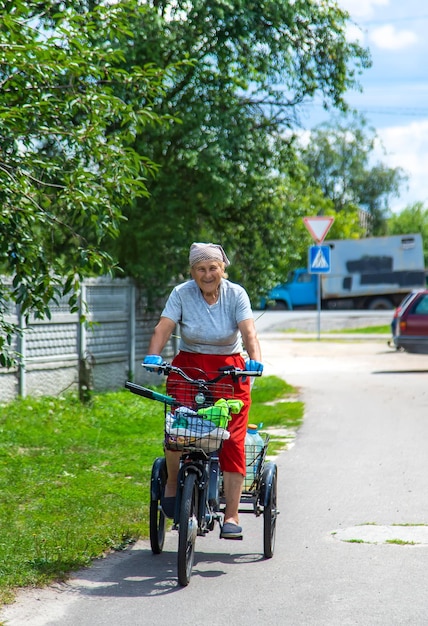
(299, 290)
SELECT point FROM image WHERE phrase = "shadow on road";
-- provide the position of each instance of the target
(139, 573)
(401, 372)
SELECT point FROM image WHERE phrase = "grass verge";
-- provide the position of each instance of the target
(74, 479)
(367, 330)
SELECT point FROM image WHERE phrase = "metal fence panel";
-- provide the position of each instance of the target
(108, 348)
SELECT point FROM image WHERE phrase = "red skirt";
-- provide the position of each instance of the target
(232, 453)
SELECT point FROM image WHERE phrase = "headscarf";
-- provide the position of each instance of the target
(207, 252)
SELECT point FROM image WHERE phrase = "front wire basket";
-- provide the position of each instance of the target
(200, 420)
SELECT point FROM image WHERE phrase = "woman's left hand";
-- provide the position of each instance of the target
(253, 366)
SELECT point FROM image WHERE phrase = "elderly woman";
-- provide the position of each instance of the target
(214, 316)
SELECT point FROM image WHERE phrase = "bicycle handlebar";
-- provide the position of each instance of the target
(167, 368)
(227, 370)
(149, 393)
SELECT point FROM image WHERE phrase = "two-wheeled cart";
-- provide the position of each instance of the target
(197, 410)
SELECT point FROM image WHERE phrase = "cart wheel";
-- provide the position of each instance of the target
(270, 511)
(157, 516)
(188, 529)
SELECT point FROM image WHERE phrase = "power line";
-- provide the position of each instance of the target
(409, 112)
(394, 114)
(400, 110)
(414, 18)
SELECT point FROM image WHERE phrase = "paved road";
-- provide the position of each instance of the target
(359, 463)
(312, 321)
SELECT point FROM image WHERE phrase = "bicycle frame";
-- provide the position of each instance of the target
(207, 471)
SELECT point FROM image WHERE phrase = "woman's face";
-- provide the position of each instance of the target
(208, 275)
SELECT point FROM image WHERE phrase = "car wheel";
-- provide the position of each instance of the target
(277, 305)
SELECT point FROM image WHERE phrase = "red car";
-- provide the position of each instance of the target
(411, 332)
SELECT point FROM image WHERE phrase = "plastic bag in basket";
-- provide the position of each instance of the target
(188, 429)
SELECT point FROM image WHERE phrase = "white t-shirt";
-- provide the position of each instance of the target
(209, 328)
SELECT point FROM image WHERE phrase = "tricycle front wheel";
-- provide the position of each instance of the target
(188, 529)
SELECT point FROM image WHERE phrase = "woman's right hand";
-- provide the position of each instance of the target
(153, 359)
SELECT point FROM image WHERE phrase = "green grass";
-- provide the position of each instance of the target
(74, 479)
(283, 409)
(367, 330)
(270, 388)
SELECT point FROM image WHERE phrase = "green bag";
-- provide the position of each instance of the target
(220, 412)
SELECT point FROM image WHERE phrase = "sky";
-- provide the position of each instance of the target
(394, 97)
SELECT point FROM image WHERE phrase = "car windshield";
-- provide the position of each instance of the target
(421, 307)
(410, 296)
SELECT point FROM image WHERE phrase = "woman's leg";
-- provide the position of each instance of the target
(232, 484)
(172, 458)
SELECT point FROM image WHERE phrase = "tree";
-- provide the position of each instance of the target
(69, 115)
(412, 219)
(338, 156)
(229, 171)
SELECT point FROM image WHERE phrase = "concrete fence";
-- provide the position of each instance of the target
(61, 353)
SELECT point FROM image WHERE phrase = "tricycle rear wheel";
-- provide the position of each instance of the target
(157, 516)
(270, 511)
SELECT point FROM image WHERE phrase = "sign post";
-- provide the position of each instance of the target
(318, 255)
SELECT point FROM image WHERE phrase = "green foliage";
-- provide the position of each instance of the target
(91, 93)
(229, 173)
(75, 480)
(69, 116)
(338, 157)
(412, 219)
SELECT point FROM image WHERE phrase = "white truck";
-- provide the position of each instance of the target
(371, 273)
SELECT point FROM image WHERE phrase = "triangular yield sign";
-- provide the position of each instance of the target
(318, 227)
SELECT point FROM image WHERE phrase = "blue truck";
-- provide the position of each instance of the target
(371, 273)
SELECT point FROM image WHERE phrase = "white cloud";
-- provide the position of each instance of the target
(407, 147)
(389, 38)
(355, 34)
(362, 8)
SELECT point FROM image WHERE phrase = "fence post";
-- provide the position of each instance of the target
(131, 332)
(21, 347)
(85, 373)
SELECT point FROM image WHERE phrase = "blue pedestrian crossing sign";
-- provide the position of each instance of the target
(319, 259)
